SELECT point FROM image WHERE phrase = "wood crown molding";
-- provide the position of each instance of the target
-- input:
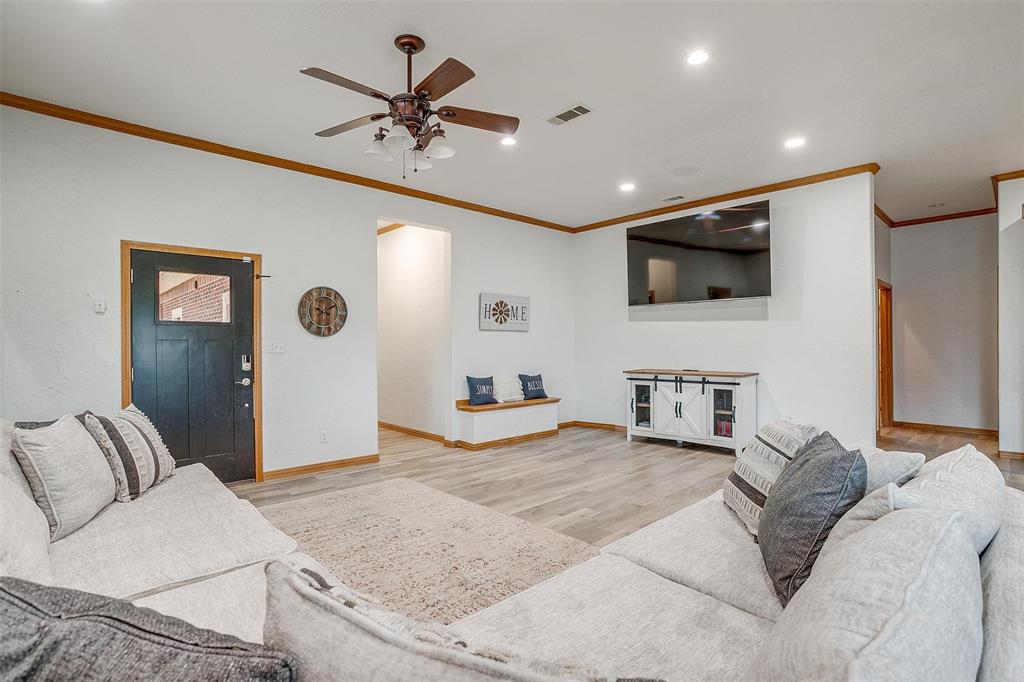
(1000, 177)
(107, 123)
(389, 228)
(116, 125)
(942, 218)
(883, 216)
(730, 196)
(77, 116)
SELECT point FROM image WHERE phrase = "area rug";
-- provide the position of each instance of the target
(422, 551)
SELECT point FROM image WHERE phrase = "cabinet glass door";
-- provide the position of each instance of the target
(640, 406)
(723, 413)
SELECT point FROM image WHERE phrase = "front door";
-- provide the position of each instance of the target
(192, 344)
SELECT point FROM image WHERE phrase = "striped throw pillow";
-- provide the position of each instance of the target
(759, 464)
(135, 452)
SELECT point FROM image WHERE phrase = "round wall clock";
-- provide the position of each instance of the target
(322, 311)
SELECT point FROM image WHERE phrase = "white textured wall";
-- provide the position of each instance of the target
(71, 192)
(883, 248)
(414, 345)
(813, 341)
(944, 323)
(1011, 316)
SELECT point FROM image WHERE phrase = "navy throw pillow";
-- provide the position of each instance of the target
(481, 390)
(533, 386)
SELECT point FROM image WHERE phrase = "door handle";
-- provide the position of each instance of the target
(677, 409)
(244, 382)
(631, 405)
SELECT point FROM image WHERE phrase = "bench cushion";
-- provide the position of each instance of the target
(707, 548)
(610, 614)
(188, 527)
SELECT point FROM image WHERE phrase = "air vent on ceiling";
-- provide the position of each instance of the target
(566, 116)
(678, 197)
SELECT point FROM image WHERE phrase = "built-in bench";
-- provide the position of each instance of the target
(487, 426)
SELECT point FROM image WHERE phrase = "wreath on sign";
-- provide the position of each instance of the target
(500, 312)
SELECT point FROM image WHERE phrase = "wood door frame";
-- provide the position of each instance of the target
(884, 289)
(257, 332)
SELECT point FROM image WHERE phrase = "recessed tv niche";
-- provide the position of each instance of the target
(723, 254)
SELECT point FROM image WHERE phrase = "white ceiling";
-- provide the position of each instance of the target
(932, 92)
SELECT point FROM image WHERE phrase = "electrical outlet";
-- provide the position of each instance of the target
(323, 436)
(275, 346)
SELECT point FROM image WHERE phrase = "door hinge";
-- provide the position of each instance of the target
(246, 259)
(132, 370)
(131, 276)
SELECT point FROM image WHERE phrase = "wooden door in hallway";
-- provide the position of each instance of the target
(192, 364)
(885, 407)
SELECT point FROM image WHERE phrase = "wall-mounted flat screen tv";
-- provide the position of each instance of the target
(723, 254)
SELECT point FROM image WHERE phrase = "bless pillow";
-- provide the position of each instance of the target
(822, 483)
(533, 386)
(481, 390)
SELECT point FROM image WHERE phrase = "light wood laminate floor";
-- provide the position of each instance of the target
(587, 483)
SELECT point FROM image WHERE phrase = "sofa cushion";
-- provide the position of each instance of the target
(707, 548)
(964, 480)
(1002, 589)
(69, 476)
(624, 619)
(24, 535)
(9, 466)
(900, 600)
(234, 603)
(52, 633)
(188, 527)
(872, 507)
(134, 449)
(823, 482)
(888, 466)
(759, 464)
(310, 618)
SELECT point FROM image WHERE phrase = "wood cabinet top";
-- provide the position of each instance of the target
(691, 373)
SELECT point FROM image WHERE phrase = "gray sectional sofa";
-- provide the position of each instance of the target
(686, 598)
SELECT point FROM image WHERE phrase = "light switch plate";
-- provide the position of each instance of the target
(275, 346)
(99, 305)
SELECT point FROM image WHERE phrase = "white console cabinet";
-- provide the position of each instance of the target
(692, 406)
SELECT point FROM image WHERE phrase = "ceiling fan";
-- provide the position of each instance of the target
(411, 111)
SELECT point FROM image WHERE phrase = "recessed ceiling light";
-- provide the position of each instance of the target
(697, 57)
(627, 187)
(795, 142)
(508, 141)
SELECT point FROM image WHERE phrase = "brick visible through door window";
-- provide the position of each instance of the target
(190, 297)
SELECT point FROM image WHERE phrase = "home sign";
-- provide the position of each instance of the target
(504, 313)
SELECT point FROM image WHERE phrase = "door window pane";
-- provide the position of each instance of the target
(189, 297)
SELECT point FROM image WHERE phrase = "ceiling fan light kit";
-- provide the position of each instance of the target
(412, 131)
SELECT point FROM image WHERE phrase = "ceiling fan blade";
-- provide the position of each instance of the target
(498, 123)
(451, 74)
(350, 125)
(334, 78)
